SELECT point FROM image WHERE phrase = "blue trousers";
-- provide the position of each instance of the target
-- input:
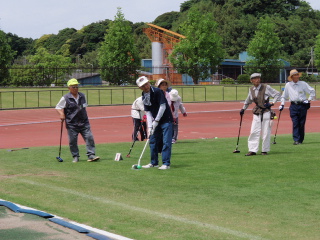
(298, 114)
(163, 132)
(87, 137)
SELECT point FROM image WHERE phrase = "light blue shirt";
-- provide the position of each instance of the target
(297, 92)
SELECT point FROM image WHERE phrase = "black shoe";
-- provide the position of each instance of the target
(264, 153)
(250, 154)
(296, 143)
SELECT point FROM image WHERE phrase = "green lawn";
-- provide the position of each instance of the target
(209, 192)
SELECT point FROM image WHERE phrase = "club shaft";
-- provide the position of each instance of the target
(144, 148)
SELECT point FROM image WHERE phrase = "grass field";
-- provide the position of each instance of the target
(209, 192)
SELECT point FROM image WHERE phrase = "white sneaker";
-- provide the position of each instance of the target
(164, 167)
(75, 159)
(149, 166)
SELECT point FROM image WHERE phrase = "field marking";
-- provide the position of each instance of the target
(153, 213)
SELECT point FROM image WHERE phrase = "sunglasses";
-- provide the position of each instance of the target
(74, 87)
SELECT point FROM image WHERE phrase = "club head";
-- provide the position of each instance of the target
(128, 155)
(135, 166)
(274, 143)
(236, 151)
(59, 159)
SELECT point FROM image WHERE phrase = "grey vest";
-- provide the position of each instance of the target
(259, 100)
(76, 114)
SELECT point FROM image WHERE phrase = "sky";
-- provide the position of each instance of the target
(34, 18)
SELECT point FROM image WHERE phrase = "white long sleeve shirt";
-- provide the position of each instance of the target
(297, 92)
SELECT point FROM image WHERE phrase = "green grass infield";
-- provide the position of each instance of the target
(209, 192)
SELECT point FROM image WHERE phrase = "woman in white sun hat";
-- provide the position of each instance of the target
(176, 104)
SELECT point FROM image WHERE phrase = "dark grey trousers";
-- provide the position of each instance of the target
(87, 137)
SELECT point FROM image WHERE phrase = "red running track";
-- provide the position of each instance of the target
(110, 124)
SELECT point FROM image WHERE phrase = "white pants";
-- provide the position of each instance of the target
(258, 129)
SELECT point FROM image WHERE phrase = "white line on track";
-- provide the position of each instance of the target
(153, 213)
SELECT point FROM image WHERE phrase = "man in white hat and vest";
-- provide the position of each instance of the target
(260, 127)
(72, 109)
(159, 119)
(297, 91)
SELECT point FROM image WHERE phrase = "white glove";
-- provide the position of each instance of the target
(281, 108)
(305, 101)
(149, 132)
(154, 125)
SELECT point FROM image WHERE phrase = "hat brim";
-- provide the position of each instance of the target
(168, 83)
(290, 77)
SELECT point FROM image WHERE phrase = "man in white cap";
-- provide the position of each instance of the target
(72, 108)
(159, 119)
(260, 94)
(297, 91)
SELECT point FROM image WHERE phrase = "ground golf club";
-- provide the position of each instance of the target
(135, 139)
(238, 151)
(138, 166)
(275, 135)
(59, 158)
(16, 149)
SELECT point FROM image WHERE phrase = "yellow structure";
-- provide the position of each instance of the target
(163, 41)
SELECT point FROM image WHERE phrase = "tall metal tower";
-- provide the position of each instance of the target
(163, 41)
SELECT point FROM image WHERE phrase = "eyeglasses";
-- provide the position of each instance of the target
(74, 87)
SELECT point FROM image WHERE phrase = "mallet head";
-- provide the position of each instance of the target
(59, 159)
(236, 151)
(274, 143)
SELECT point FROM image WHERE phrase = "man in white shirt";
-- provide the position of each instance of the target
(297, 91)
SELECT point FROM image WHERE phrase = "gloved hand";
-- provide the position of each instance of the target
(149, 132)
(241, 112)
(268, 105)
(154, 125)
(281, 108)
(305, 101)
(185, 114)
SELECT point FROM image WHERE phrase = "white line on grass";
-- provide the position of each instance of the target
(153, 213)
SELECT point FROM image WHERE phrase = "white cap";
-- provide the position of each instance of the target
(141, 81)
(174, 95)
(254, 75)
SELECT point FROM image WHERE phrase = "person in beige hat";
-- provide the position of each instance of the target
(72, 109)
(297, 91)
(260, 127)
(176, 104)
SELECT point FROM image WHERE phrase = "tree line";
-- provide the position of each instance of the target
(215, 29)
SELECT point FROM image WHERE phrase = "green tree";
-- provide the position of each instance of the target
(201, 51)
(317, 52)
(265, 50)
(6, 57)
(48, 68)
(118, 55)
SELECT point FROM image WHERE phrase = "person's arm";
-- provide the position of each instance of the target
(60, 108)
(274, 94)
(311, 91)
(162, 108)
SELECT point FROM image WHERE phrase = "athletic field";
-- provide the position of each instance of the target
(209, 192)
